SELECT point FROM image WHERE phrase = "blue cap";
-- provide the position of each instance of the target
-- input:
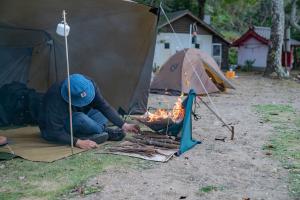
(82, 90)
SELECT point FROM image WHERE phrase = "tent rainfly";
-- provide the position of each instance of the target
(99, 46)
(177, 75)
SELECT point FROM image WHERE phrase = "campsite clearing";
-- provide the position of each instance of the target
(262, 111)
(226, 170)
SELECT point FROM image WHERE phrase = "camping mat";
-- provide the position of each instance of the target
(163, 155)
(27, 143)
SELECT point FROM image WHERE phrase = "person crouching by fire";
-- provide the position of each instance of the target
(90, 114)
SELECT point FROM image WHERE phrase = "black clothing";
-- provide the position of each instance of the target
(55, 111)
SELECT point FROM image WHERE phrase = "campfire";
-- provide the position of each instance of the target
(161, 119)
(175, 115)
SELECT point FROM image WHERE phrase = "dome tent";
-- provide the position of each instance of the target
(177, 75)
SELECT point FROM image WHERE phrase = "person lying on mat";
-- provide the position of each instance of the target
(90, 114)
(3, 140)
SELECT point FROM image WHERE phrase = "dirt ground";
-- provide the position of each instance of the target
(235, 169)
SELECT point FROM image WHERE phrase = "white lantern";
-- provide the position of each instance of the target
(60, 30)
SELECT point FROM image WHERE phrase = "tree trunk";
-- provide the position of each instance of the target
(276, 41)
(201, 9)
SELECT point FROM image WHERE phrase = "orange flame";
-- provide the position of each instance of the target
(176, 115)
(178, 111)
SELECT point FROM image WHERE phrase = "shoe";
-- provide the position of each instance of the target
(98, 138)
(115, 134)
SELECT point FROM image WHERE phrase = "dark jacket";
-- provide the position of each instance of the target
(55, 111)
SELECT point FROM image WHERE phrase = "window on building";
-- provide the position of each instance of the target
(197, 46)
(217, 50)
(167, 45)
(217, 53)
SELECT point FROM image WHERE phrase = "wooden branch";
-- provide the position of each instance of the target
(163, 140)
(148, 151)
(154, 143)
(154, 135)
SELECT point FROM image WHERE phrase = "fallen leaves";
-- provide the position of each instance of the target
(86, 190)
(268, 153)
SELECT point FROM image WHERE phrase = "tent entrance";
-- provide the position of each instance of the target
(14, 64)
(27, 56)
(219, 85)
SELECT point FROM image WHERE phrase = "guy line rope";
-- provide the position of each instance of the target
(214, 109)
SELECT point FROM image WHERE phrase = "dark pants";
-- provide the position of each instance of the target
(85, 125)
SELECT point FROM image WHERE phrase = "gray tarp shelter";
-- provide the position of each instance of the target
(111, 41)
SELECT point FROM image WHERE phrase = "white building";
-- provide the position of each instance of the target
(253, 46)
(207, 39)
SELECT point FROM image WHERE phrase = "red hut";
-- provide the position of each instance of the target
(254, 46)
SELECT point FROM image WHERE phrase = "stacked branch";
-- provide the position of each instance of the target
(146, 144)
(157, 142)
(130, 147)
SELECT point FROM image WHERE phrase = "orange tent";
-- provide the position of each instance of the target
(183, 70)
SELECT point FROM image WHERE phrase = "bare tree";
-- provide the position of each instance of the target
(276, 41)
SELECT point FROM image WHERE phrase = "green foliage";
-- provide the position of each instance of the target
(233, 56)
(284, 144)
(174, 5)
(224, 12)
(250, 12)
(248, 66)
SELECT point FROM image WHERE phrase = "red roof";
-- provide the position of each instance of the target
(250, 34)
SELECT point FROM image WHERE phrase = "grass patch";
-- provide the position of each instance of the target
(276, 113)
(35, 180)
(285, 143)
(208, 189)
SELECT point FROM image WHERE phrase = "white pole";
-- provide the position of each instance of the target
(191, 27)
(69, 90)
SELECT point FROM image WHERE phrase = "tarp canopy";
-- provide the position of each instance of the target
(178, 76)
(111, 41)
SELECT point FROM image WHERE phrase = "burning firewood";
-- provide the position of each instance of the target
(161, 119)
(176, 115)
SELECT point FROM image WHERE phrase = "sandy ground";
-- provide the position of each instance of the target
(239, 169)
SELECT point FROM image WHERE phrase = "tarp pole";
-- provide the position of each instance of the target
(191, 27)
(231, 129)
(69, 84)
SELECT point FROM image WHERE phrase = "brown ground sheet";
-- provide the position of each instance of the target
(27, 143)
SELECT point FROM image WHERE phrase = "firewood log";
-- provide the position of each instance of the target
(155, 143)
(163, 140)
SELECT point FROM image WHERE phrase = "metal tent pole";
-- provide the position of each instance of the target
(231, 129)
(68, 74)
